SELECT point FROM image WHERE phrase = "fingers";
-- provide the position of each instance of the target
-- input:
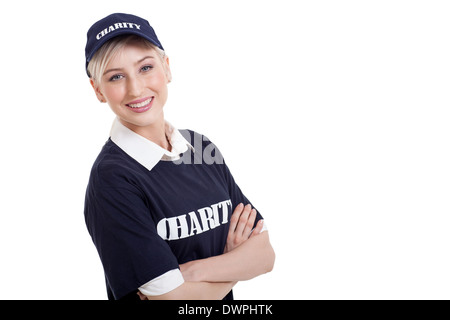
(248, 222)
(242, 221)
(258, 228)
(235, 218)
(241, 226)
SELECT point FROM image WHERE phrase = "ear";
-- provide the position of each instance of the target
(97, 91)
(167, 69)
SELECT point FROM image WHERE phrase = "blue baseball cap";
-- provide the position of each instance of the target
(114, 25)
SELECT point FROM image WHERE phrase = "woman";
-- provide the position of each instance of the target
(168, 220)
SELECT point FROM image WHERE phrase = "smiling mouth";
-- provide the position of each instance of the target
(141, 106)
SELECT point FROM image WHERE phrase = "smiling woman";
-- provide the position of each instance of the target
(163, 228)
(135, 81)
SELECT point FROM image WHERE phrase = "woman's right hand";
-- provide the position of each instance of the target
(241, 225)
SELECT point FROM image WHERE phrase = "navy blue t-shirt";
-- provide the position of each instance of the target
(147, 222)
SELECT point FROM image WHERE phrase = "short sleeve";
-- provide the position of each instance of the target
(237, 196)
(212, 155)
(163, 284)
(125, 235)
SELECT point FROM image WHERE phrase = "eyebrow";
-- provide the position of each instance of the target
(137, 62)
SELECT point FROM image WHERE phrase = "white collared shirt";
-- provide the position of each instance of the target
(144, 151)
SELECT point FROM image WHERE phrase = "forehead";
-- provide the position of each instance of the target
(131, 53)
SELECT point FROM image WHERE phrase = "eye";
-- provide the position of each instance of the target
(116, 77)
(146, 68)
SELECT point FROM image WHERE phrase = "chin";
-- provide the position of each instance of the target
(145, 119)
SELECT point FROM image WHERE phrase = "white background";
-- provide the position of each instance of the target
(332, 115)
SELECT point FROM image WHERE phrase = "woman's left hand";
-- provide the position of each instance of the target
(241, 226)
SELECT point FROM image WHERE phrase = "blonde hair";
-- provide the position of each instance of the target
(103, 56)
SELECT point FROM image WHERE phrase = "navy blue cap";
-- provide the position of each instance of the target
(114, 25)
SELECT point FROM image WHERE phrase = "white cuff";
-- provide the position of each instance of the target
(164, 283)
(264, 228)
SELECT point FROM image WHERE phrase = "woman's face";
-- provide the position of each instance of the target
(135, 86)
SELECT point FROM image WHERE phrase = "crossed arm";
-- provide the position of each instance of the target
(248, 254)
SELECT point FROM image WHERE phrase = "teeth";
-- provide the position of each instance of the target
(140, 105)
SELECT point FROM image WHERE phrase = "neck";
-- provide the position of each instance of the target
(156, 132)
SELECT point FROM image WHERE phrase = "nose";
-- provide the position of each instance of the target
(134, 87)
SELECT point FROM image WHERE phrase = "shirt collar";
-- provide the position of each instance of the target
(144, 151)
